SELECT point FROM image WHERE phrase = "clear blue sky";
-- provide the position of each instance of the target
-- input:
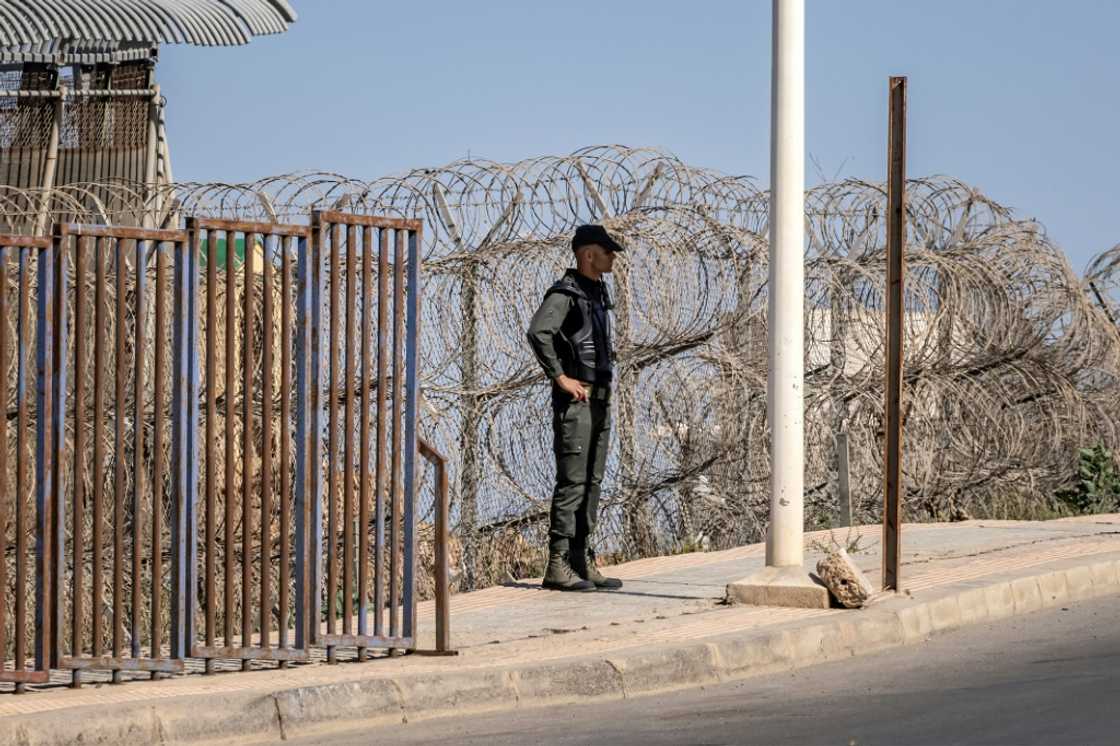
(1020, 98)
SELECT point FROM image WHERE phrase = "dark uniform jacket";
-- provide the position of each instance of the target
(570, 332)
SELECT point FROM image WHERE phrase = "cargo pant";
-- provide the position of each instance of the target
(581, 437)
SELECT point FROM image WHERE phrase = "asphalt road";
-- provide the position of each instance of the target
(1048, 678)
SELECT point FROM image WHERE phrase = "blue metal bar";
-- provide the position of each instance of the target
(180, 463)
(138, 430)
(45, 641)
(412, 385)
(309, 484)
(316, 402)
(192, 450)
(58, 521)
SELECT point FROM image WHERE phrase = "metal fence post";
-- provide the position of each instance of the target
(184, 448)
(309, 507)
(194, 391)
(412, 383)
(58, 441)
(843, 478)
(46, 647)
(896, 269)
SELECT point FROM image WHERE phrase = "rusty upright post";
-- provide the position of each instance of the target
(896, 240)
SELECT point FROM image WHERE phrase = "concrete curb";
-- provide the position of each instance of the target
(304, 711)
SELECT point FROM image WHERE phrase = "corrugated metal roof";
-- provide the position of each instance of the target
(202, 22)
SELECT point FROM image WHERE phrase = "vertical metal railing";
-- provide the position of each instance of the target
(442, 569)
(225, 445)
(250, 488)
(367, 382)
(26, 362)
(121, 307)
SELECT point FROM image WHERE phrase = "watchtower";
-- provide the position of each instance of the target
(79, 100)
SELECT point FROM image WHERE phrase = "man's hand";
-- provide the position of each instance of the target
(573, 387)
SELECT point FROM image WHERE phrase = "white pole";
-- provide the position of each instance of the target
(785, 405)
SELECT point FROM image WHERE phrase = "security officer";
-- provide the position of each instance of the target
(570, 336)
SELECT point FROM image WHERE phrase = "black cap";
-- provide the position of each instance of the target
(589, 234)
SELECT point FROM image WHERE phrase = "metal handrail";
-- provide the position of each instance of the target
(442, 535)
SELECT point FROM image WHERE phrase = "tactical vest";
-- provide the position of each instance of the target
(575, 343)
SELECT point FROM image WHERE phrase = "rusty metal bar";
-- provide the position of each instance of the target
(153, 665)
(184, 456)
(246, 441)
(280, 654)
(23, 467)
(348, 440)
(99, 325)
(332, 439)
(56, 535)
(409, 441)
(118, 455)
(24, 249)
(381, 488)
(231, 383)
(81, 335)
(266, 447)
(369, 641)
(397, 440)
(22, 243)
(159, 470)
(442, 531)
(193, 391)
(211, 428)
(132, 234)
(285, 433)
(896, 267)
(138, 484)
(372, 221)
(363, 446)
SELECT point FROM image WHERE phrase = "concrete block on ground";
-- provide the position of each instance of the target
(214, 717)
(303, 709)
(779, 586)
(916, 622)
(456, 691)
(945, 613)
(844, 580)
(667, 668)
(1079, 583)
(568, 681)
(973, 605)
(1052, 586)
(875, 631)
(1028, 597)
(745, 656)
(93, 725)
(821, 642)
(1104, 577)
(1000, 600)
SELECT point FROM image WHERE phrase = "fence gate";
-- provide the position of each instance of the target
(119, 497)
(221, 458)
(253, 508)
(364, 302)
(26, 346)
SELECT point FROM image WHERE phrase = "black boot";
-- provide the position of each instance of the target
(559, 576)
(583, 562)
